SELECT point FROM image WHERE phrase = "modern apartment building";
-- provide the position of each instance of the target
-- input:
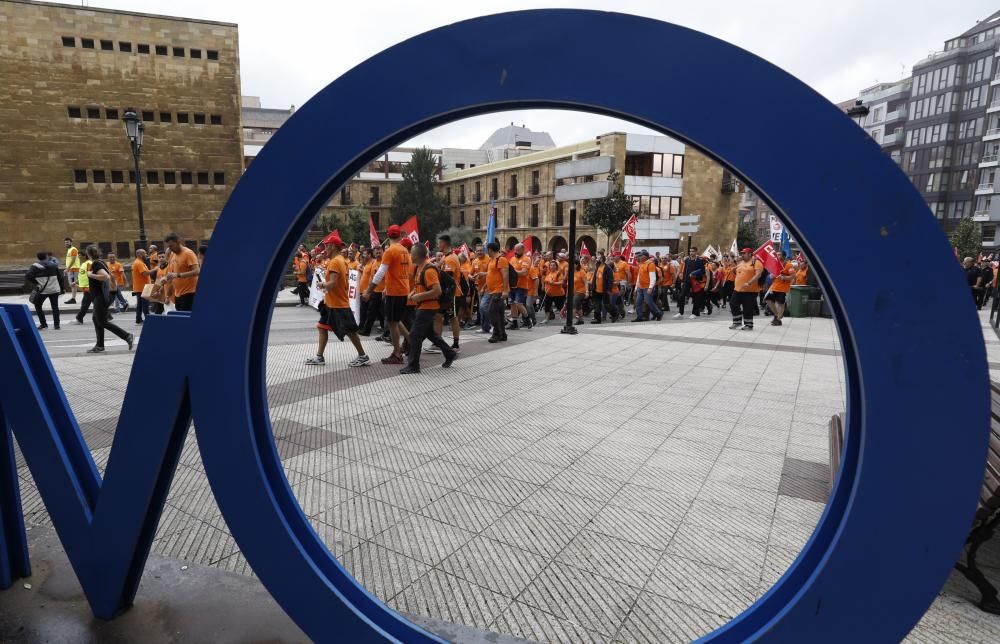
(887, 114)
(67, 74)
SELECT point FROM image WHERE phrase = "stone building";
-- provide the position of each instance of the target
(67, 74)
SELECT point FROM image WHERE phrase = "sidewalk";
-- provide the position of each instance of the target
(285, 298)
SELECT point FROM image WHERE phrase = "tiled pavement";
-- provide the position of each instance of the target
(635, 483)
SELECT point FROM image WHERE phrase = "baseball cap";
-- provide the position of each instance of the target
(406, 242)
(393, 231)
(334, 238)
(747, 250)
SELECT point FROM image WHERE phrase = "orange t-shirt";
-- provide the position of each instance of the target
(154, 258)
(533, 282)
(397, 280)
(554, 284)
(522, 263)
(335, 297)
(644, 270)
(730, 273)
(802, 277)
(376, 264)
(422, 284)
(480, 266)
(744, 274)
(467, 271)
(580, 282)
(496, 275)
(453, 266)
(783, 286)
(138, 279)
(183, 261)
(599, 279)
(301, 268)
(366, 276)
(621, 271)
(118, 272)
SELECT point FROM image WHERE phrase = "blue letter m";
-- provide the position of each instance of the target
(106, 526)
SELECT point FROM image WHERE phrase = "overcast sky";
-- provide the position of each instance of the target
(289, 50)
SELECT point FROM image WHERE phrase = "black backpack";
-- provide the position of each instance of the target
(511, 274)
(447, 282)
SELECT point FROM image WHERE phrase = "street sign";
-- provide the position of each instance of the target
(588, 190)
(585, 167)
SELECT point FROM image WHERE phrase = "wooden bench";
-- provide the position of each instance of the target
(987, 516)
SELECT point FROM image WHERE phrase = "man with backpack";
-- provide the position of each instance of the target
(498, 284)
(426, 295)
(450, 278)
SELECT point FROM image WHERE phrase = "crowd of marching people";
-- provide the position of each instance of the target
(159, 280)
(414, 292)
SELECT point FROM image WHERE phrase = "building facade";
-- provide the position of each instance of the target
(67, 74)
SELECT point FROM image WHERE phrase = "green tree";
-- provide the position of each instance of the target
(354, 226)
(459, 235)
(610, 213)
(416, 196)
(967, 239)
(746, 235)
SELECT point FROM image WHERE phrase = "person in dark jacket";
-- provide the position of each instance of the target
(43, 277)
(600, 287)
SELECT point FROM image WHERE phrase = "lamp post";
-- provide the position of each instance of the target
(133, 130)
(858, 112)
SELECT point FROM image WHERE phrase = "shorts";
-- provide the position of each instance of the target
(776, 297)
(519, 295)
(448, 310)
(394, 307)
(340, 321)
(578, 300)
(73, 277)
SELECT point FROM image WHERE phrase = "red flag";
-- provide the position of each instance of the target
(373, 234)
(410, 228)
(766, 255)
(464, 249)
(615, 248)
(629, 254)
(629, 227)
(800, 258)
(427, 245)
(527, 246)
(353, 246)
(329, 238)
(509, 253)
(583, 251)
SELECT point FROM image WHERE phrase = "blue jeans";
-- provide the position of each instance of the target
(645, 296)
(141, 308)
(484, 315)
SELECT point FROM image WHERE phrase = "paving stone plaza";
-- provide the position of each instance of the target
(634, 483)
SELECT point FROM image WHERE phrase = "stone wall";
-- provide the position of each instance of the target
(703, 195)
(57, 59)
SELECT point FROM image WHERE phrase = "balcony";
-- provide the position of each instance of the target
(896, 138)
(512, 192)
(536, 190)
(989, 161)
(346, 201)
(994, 106)
(992, 134)
(996, 79)
(477, 197)
(374, 201)
(897, 115)
(494, 195)
(981, 216)
(985, 188)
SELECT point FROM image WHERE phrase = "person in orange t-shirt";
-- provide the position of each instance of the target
(555, 291)
(118, 273)
(372, 307)
(498, 287)
(580, 291)
(300, 266)
(518, 307)
(468, 288)
(533, 278)
(782, 284)
(140, 277)
(182, 272)
(450, 264)
(743, 303)
(645, 300)
(601, 282)
(425, 296)
(801, 273)
(395, 273)
(335, 312)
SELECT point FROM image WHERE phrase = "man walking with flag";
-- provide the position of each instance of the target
(744, 301)
(782, 284)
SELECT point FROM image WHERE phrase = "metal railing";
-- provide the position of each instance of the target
(989, 158)
(992, 131)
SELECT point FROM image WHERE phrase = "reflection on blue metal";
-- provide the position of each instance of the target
(886, 542)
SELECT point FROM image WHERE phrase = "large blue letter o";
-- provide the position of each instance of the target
(917, 378)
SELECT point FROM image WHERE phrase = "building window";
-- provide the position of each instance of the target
(122, 249)
(182, 117)
(202, 178)
(152, 177)
(69, 41)
(536, 188)
(447, 194)
(461, 217)
(493, 189)
(989, 233)
(512, 217)
(195, 53)
(142, 49)
(476, 219)
(93, 112)
(100, 176)
(534, 216)
(675, 206)
(199, 119)
(74, 112)
(477, 195)
(186, 178)
(345, 196)
(220, 178)
(460, 166)
(559, 213)
(178, 52)
(374, 199)
(107, 45)
(212, 54)
(148, 116)
(117, 176)
(79, 176)
(169, 177)
(216, 119)
(461, 194)
(161, 50)
(125, 47)
(111, 114)
(165, 117)
(131, 177)
(513, 186)
(87, 43)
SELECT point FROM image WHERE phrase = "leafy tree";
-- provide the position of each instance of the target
(967, 239)
(416, 196)
(610, 213)
(746, 235)
(354, 226)
(459, 235)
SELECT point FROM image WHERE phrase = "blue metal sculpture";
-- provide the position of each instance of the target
(886, 542)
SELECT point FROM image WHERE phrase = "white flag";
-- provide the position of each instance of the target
(734, 249)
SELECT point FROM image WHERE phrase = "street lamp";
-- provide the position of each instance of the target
(133, 130)
(858, 112)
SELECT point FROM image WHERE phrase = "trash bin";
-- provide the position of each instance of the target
(796, 301)
(813, 308)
